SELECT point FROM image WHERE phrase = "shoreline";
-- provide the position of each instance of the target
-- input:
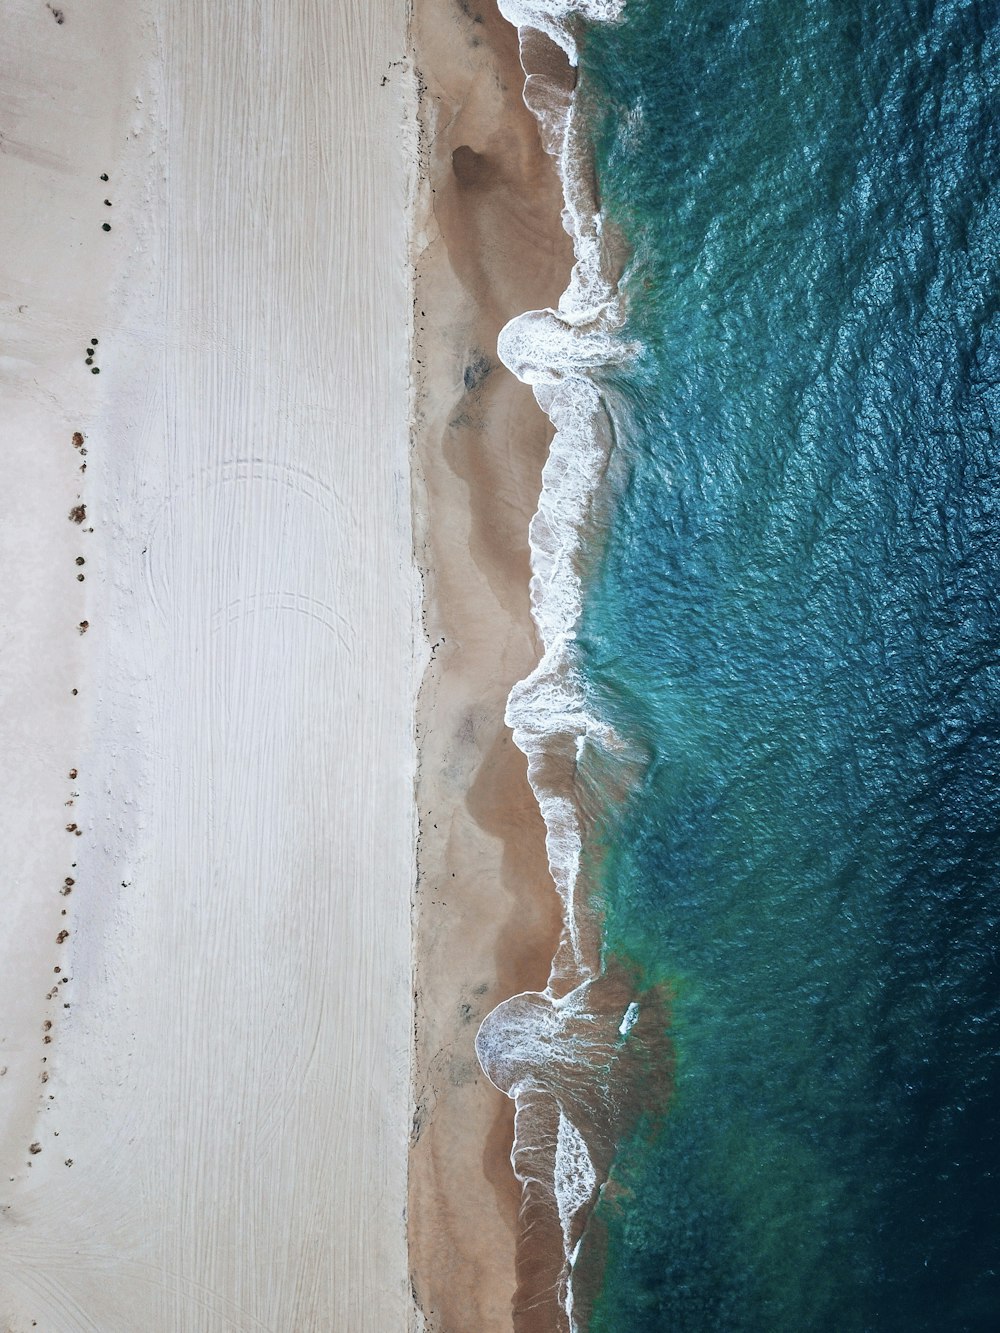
(488, 244)
(559, 1043)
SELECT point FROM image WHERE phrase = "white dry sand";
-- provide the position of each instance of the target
(227, 1063)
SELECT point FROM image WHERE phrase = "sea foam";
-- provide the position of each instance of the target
(556, 17)
(554, 1051)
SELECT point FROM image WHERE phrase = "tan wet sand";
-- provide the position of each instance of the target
(489, 245)
(204, 1102)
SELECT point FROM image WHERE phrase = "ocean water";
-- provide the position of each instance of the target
(791, 612)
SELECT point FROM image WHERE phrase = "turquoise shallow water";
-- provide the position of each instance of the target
(797, 614)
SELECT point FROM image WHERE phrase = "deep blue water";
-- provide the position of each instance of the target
(797, 613)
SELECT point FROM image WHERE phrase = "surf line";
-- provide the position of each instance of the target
(568, 1055)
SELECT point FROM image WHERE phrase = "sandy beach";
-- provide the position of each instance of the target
(208, 827)
(225, 587)
(488, 245)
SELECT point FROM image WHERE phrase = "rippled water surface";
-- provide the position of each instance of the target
(797, 614)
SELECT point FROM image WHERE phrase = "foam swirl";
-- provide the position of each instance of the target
(556, 1052)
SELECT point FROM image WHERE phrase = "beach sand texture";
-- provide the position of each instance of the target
(212, 1067)
(488, 245)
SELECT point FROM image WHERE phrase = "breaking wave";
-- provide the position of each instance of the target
(566, 1055)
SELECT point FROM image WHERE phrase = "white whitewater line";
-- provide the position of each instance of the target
(630, 1019)
(575, 1181)
(574, 1175)
(555, 351)
(549, 16)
